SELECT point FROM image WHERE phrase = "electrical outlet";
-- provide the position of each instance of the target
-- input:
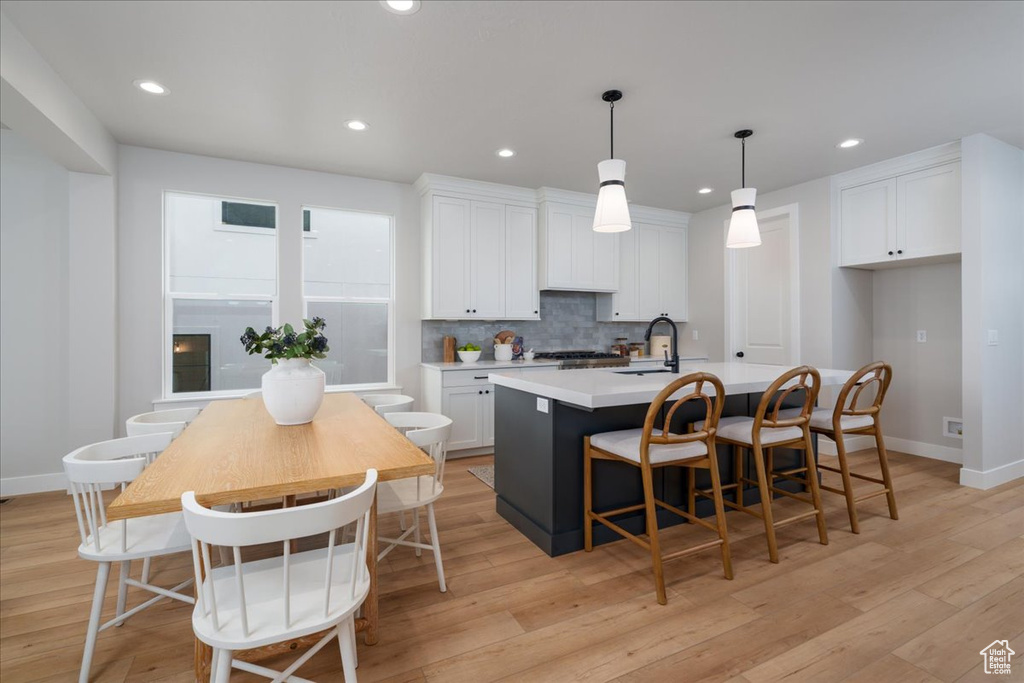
(922, 335)
(542, 405)
(696, 335)
(953, 427)
(993, 337)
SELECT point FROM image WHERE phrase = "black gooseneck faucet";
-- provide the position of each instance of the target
(674, 361)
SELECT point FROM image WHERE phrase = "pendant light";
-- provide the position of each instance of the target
(743, 230)
(612, 214)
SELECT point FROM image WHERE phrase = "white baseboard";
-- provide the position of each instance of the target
(925, 450)
(37, 483)
(991, 478)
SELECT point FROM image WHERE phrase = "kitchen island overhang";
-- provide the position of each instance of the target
(539, 424)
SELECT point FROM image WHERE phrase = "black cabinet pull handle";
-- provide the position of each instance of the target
(890, 253)
(536, 312)
(467, 310)
(480, 392)
(475, 377)
(899, 251)
(739, 354)
(616, 313)
(488, 391)
(474, 310)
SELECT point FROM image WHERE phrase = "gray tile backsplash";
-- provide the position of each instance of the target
(568, 321)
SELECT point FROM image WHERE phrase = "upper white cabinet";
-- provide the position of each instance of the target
(480, 255)
(572, 256)
(911, 215)
(652, 275)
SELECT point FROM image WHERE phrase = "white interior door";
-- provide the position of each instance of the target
(763, 294)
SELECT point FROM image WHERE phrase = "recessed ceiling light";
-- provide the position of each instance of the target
(505, 153)
(401, 6)
(705, 190)
(847, 144)
(356, 124)
(152, 87)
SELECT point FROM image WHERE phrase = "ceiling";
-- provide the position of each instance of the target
(444, 88)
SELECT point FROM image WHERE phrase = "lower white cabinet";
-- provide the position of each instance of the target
(472, 412)
(465, 395)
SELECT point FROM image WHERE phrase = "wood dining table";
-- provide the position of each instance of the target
(234, 452)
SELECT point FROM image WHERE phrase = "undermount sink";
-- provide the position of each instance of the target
(640, 373)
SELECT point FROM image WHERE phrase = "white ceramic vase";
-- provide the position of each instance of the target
(293, 390)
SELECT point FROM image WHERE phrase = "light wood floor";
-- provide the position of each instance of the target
(913, 600)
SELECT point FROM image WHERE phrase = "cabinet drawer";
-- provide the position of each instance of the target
(465, 378)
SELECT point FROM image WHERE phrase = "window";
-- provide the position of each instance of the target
(217, 283)
(221, 276)
(348, 282)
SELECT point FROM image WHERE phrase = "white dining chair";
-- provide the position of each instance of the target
(261, 602)
(388, 403)
(173, 421)
(90, 470)
(430, 432)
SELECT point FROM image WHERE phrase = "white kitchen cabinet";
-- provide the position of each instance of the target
(480, 259)
(486, 295)
(522, 297)
(928, 212)
(905, 218)
(652, 276)
(467, 408)
(572, 256)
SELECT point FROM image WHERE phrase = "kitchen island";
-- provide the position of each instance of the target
(540, 420)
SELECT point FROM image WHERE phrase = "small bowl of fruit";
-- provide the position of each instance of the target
(469, 353)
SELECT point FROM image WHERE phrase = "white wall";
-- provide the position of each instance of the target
(707, 274)
(33, 316)
(926, 382)
(144, 176)
(993, 299)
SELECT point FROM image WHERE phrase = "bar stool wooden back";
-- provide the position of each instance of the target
(770, 428)
(647, 449)
(871, 383)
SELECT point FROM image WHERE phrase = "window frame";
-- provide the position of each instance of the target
(389, 302)
(169, 296)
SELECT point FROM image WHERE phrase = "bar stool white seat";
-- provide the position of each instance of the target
(648, 448)
(90, 470)
(847, 418)
(430, 432)
(388, 403)
(275, 600)
(770, 428)
(173, 421)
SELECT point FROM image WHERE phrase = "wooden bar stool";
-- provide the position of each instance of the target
(771, 428)
(644, 449)
(847, 418)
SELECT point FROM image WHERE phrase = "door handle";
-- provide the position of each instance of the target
(739, 354)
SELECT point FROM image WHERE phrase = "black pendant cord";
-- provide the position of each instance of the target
(611, 133)
(743, 163)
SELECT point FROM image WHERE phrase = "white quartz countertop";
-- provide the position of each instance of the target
(489, 365)
(602, 388)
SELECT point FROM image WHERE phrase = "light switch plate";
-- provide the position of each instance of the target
(542, 405)
(993, 337)
(922, 335)
(696, 335)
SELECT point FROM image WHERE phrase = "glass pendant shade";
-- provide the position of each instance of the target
(612, 213)
(743, 231)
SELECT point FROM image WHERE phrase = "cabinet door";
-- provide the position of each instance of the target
(487, 413)
(868, 223)
(584, 272)
(465, 406)
(606, 258)
(624, 301)
(487, 261)
(559, 248)
(522, 297)
(672, 271)
(928, 220)
(451, 249)
(649, 270)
